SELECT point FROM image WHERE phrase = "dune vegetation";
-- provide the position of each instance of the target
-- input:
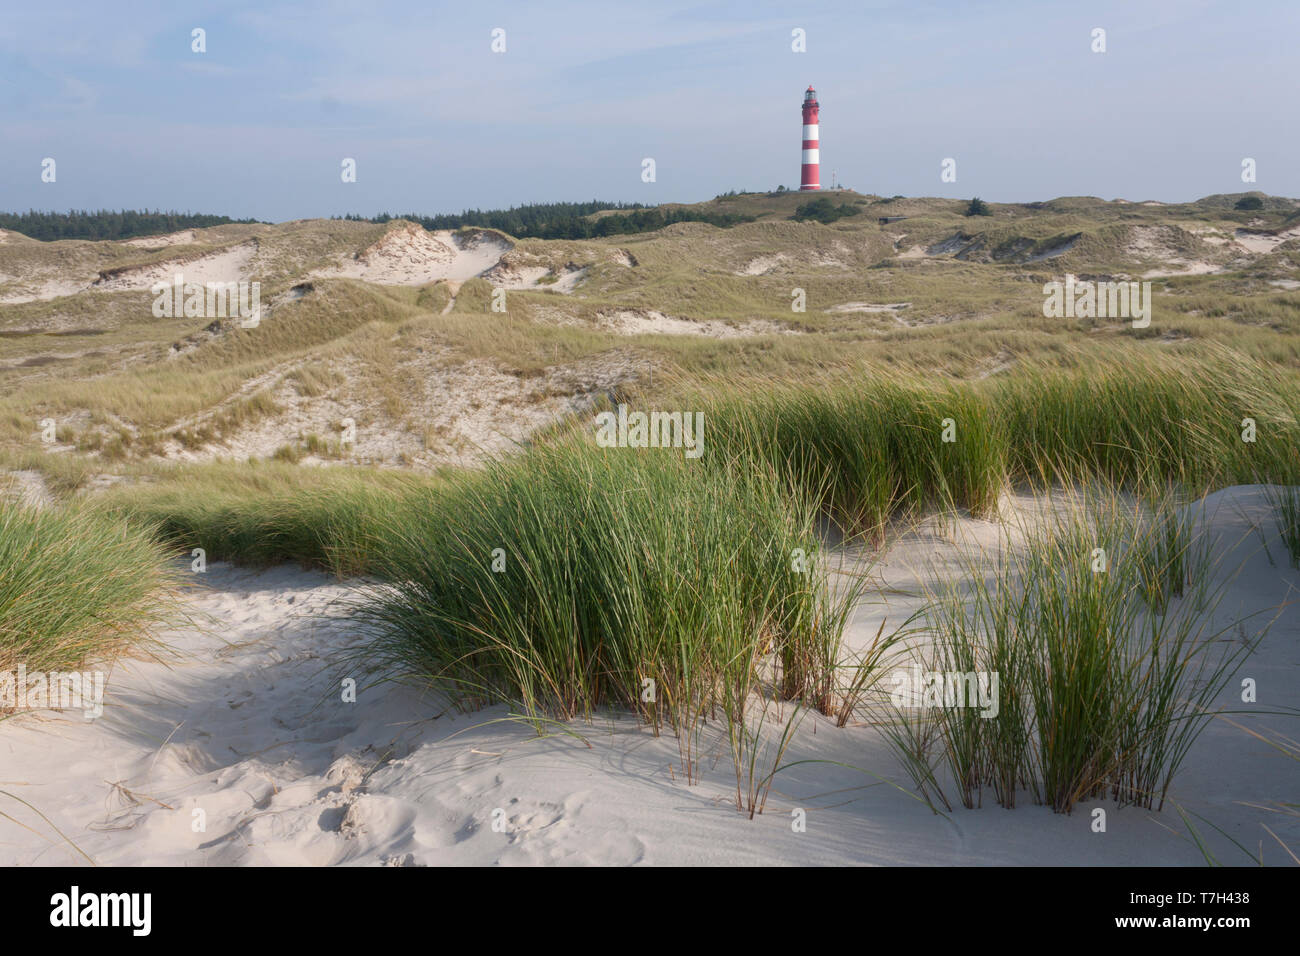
(566, 579)
(875, 446)
(76, 584)
(570, 579)
(1104, 680)
(269, 512)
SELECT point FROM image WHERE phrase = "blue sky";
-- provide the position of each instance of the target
(259, 124)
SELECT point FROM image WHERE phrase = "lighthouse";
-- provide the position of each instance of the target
(811, 161)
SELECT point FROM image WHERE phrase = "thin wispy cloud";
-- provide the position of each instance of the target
(584, 92)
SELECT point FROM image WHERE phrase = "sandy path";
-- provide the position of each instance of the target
(245, 723)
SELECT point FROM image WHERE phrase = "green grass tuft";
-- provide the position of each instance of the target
(75, 584)
(615, 567)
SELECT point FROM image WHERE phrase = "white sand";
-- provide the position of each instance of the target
(762, 265)
(471, 411)
(517, 277)
(228, 265)
(1183, 267)
(869, 307)
(182, 238)
(654, 322)
(25, 487)
(41, 287)
(1265, 242)
(916, 252)
(568, 281)
(408, 255)
(1161, 243)
(245, 723)
(510, 275)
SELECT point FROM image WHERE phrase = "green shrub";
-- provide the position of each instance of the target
(823, 210)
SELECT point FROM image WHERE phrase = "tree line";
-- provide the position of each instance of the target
(566, 220)
(559, 220)
(106, 223)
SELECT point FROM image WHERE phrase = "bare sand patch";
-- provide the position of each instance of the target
(763, 265)
(407, 254)
(1183, 267)
(455, 412)
(516, 276)
(569, 280)
(42, 290)
(1265, 242)
(1162, 243)
(654, 322)
(182, 238)
(527, 273)
(26, 488)
(869, 307)
(226, 266)
(951, 246)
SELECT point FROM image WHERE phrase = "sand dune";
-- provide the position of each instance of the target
(228, 265)
(184, 237)
(1265, 242)
(42, 289)
(408, 255)
(245, 722)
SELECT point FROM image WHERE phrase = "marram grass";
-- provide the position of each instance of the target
(576, 578)
(866, 448)
(1098, 625)
(75, 584)
(269, 512)
(1285, 502)
(871, 447)
(572, 578)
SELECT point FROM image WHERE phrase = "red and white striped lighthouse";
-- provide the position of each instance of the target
(811, 160)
